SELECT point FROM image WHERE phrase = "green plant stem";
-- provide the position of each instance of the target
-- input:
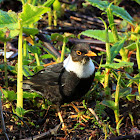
(108, 58)
(23, 1)
(55, 18)
(138, 60)
(34, 2)
(50, 18)
(5, 66)
(37, 59)
(112, 24)
(115, 33)
(19, 73)
(63, 50)
(25, 49)
(132, 119)
(116, 111)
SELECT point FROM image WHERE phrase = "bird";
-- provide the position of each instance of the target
(66, 81)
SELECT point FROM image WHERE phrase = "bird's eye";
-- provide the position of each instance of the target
(78, 52)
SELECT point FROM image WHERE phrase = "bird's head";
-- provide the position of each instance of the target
(81, 53)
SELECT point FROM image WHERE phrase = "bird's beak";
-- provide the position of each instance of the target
(90, 53)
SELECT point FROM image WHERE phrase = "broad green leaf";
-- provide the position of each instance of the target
(132, 46)
(48, 3)
(21, 112)
(117, 65)
(38, 68)
(30, 95)
(46, 56)
(57, 37)
(109, 103)
(123, 92)
(98, 34)
(57, 5)
(8, 20)
(8, 67)
(32, 14)
(10, 95)
(30, 31)
(117, 11)
(26, 71)
(116, 48)
(34, 49)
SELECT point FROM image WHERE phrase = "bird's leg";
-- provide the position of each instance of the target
(61, 120)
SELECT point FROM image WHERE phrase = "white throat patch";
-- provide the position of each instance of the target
(81, 70)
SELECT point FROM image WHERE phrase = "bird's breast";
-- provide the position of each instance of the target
(81, 70)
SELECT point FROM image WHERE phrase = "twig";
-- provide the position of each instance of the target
(45, 134)
(64, 29)
(134, 137)
(87, 41)
(95, 20)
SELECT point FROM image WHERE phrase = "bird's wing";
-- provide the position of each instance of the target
(47, 76)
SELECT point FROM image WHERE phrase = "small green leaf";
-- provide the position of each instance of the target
(123, 92)
(46, 56)
(116, 48)
(98, 34)
(31, 95)
(131, 46)
(38, 68)
(26, 71)
(99, 77)
(48, 3)
(21, 112)
(57, 37)
(34, 49)
(117, 65)
(109, 103)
